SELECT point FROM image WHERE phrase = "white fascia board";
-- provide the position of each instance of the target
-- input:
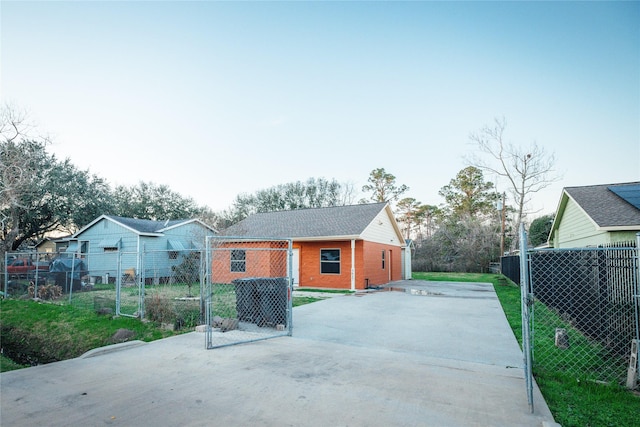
(621, 228)
(88, 226)
(189, 221)
(395, 225)
(325, 238)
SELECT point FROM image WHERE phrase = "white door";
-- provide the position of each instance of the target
(295, 267)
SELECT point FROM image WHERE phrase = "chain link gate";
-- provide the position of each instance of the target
(248, 290)
(586, 303)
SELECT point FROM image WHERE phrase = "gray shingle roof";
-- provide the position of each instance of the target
(146, 225)
(604, 206)
(305, 223)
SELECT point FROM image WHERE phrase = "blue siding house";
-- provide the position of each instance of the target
(111, 246)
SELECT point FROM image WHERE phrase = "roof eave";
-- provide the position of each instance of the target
(325, 238)
(88, 226)
(188, 221)
(394, 223)
(621, 228)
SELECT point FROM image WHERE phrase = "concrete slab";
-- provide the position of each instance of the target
(381, 359)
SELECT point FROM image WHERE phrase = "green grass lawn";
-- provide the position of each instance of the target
(45, 332)
(7, 364)
(574, 402)
(38, 332)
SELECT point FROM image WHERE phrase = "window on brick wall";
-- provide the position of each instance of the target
(383, 254)
(330, 261)
(238, 260)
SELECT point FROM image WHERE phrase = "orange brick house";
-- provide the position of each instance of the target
(343, 247)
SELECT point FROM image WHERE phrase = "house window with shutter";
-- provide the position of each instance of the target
(330, 261)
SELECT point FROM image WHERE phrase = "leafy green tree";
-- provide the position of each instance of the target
(82, 196)
(148, 200)
(428, 215)
(42, 194)
(414, 216)
(465, 234)
(469, 195)
(313, 193)
(539, 230)
(39, 193)
(466, 245)
(382, 186)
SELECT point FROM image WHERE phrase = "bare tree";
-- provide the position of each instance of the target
(349, 194)
(526, 170)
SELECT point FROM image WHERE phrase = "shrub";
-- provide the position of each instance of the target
(48, 292)
(159, 309)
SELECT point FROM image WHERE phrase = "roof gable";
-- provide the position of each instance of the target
(604, 206)
(331, 222)
(143, 226)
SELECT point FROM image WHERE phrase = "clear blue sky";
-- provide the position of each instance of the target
(215, 99)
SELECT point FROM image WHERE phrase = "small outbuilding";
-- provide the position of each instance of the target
(342, 247)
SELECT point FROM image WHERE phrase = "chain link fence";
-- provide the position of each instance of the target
(26, 275)
(248, 291)
(585, 305)
(162, 286)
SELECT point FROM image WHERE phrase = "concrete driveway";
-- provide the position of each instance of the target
(423, 354)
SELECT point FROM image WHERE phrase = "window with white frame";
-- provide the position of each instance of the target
(330, 261)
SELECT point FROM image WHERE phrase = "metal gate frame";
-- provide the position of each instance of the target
(633, 374)
(527, 306)
(138, 282)
(244, 330)
(526, 302)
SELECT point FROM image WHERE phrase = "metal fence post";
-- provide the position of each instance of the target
(141, 282)
(526, 302)
(35, 282)
(118, 282)
(208, 292)
(637, 287)
(6, 274)
(73, 264)
(290, 287)
(203, 280)
(636, 298)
